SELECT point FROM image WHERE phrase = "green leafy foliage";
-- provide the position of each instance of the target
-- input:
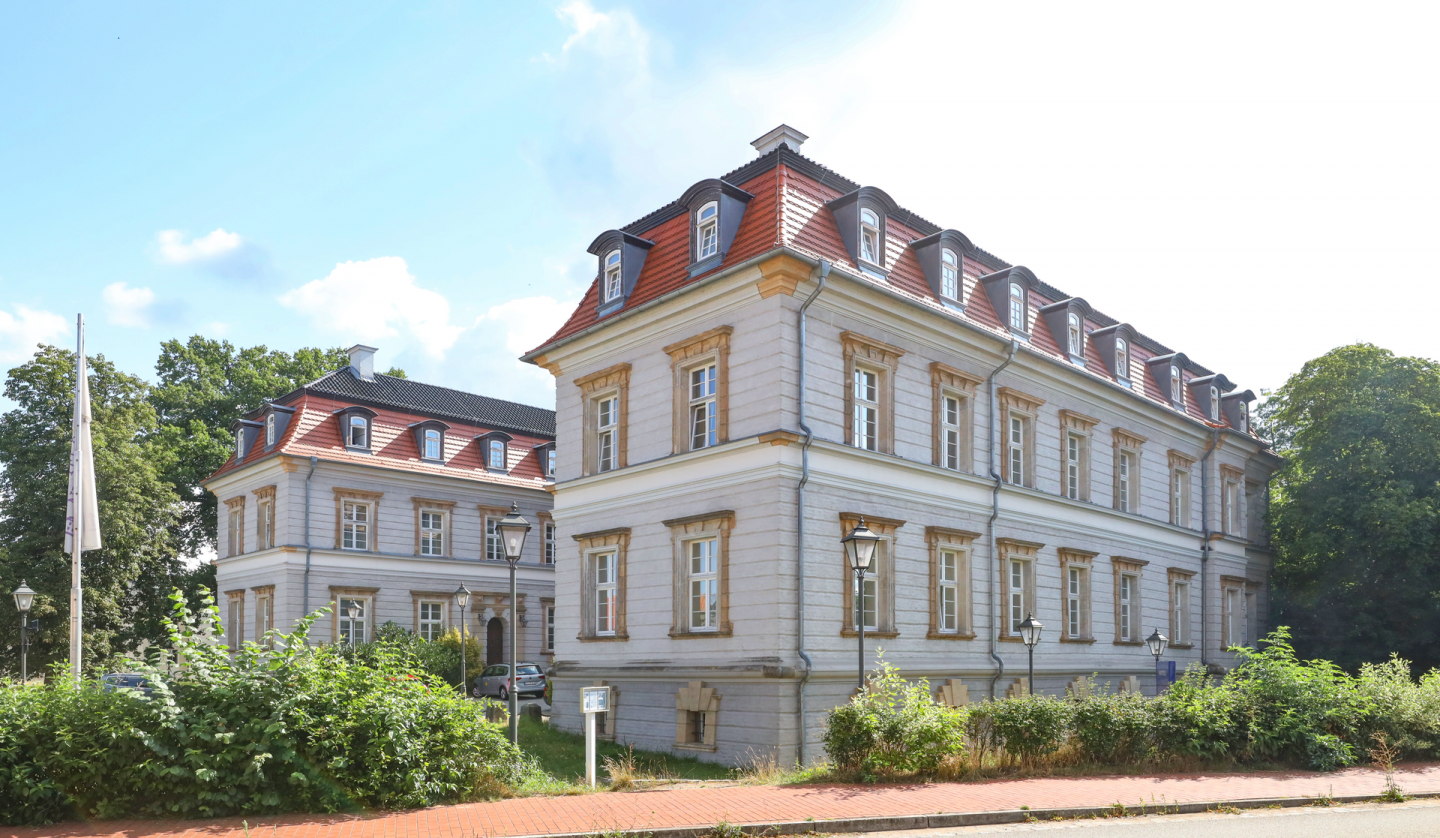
(893, 727)
(1355, 511)
(1111, 728)
(1028, 727)
(282, 728)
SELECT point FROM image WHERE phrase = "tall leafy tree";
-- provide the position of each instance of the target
(127, 581)
(1355, 512)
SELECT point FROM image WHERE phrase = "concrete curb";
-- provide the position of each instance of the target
(895, 823)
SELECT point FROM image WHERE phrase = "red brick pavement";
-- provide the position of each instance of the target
(698, 807)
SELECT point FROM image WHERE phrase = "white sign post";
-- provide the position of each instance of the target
(592, 700)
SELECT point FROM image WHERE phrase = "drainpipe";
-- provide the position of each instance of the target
(305, 597)
(1205, 547)
(995, 513)
(800, 508)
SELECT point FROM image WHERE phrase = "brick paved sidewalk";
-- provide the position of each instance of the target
(701, 807)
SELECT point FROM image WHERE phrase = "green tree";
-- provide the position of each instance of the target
(126, 583)
(1355, 512)
(203, 386)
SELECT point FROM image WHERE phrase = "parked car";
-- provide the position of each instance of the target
(130, 680)
(495, 680)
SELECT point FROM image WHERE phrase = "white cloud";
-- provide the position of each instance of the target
(376, 299)
(610, 35)
(126, 306)
(27, 328)
(486, 357)
(210, 247)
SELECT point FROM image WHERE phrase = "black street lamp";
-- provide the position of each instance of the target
(860, 550)
(513, 529)
(24, 598)
(1030, 633)
(1157, 643)
(462, 599)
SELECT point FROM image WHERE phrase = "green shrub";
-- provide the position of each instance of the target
(1408, 713)
(439, 658)
(474, 655)
(1112, 728)
(293, 728)
(1194, 718)
(893, 727)
(1029, 727)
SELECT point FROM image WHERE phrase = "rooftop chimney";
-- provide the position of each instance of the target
(771, 140)
(362, 361)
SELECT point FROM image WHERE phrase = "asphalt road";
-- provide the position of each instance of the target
(1416, 819)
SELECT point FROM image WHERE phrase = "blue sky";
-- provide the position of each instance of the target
(1238, 180)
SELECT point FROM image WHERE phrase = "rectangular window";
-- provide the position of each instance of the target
(497, 454)
(549, 543)
(550, 628)
(432, 533)
(949, 593)
(950, 432)
(352, 630)
(1233, 617)
(1125, 490)
(1073, 443)
(359, 432)
(355, 526)
(867, 601)
(870, 244)
(550, 463)
(1019, 573)
(704, 584)
(1073, 593)
(432, 620)
(867, 410)
(606, 587)
(1232, 507)
(494, 549)
(264, 616)
(607, 423)
(235, 634)
(702, 407)
(1180, 497)
(266, 512)
(1127, 607)
(1015, 445)
(1180, 620)
(432, 444)
(237, 530)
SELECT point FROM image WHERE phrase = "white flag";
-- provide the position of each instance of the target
(82, 469)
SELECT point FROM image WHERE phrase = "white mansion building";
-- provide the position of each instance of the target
(781, 351)
(374, 491)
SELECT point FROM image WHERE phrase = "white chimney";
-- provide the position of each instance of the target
(784, 134)
(362, 361)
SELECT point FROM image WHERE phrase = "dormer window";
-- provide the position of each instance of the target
(1175, 395)
(545, 454)
(1077, 340)
(949, 275)
(432, 444)
(707, 231)
(870, 236)
(1017, 307)
(1214, 404)
(1122, 359)
(550, 463)
(269, 430)
(612, 276)
(358, 432)
(240, 444)
(495, 451)
(495, 458)
(1244, 418)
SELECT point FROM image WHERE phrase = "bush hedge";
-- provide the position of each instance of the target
(279, 728)
(1272, 708)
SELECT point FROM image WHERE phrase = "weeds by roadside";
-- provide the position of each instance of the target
(1383, 754)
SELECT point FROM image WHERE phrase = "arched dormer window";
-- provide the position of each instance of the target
(612, 276)
(1077, 339)
(357, 432)
(1122, 358)
(1017, 307)
(949, 275)
(430, 440)
(495, 451)
(707, 231)
(1176, 395)
(1236, 407)
(1168, 374)
(239, 443)
(356, 428)
(1244, 418)
(870, 236)
(1214, 404)
(1113, 344)
(269, 430)
(432, 444)
(1065, 320)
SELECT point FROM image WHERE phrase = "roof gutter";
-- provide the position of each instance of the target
(824, 271)
(1205, 546)
(992, 437)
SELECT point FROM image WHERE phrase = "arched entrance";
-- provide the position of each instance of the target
(494, 642)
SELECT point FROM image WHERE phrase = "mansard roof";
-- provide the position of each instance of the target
(433, 401)
(792, 209)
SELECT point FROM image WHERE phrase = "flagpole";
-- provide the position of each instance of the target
(77, 523)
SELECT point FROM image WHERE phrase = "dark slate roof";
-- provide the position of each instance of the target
(428, 399)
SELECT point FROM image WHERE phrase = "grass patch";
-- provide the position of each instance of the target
(562, 756)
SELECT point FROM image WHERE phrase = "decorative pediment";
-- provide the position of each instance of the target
(868, 349)
(1012, 399)
(1127, 439)
(948, 376)
(1077, 421)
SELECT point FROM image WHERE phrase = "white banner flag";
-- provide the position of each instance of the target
(81, 497)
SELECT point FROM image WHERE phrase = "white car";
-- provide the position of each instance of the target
(495, 680)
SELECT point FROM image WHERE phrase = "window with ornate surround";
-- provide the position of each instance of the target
(1232, 501)
(235, 628)
(1076, 609)
(879, 593)
(1127, 470)
(356, 519)
(1128, 613)
(342, 628)
(548, 543)
(953, 417)
(547, 612)
(236, 530)
(1234, 614)
(1181, 469)
(701, 574)
(434, 525)
(264, 612)
(952, 614)
(492, 548)
(864, 355)
(602, 600)
(605, 396)
(1018, 414)
(1180, 620)
(700, 367)
(264, 517)
(1075, 454)
(431, 611)
(1017, 584)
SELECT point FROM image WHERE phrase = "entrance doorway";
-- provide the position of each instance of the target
(494, 642)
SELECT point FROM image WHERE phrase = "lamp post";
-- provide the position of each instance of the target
(353, 612)
(462, 599)
(1157, 643)
(513, 529)
(860, 550)
(1030, 633)
(24, 598)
